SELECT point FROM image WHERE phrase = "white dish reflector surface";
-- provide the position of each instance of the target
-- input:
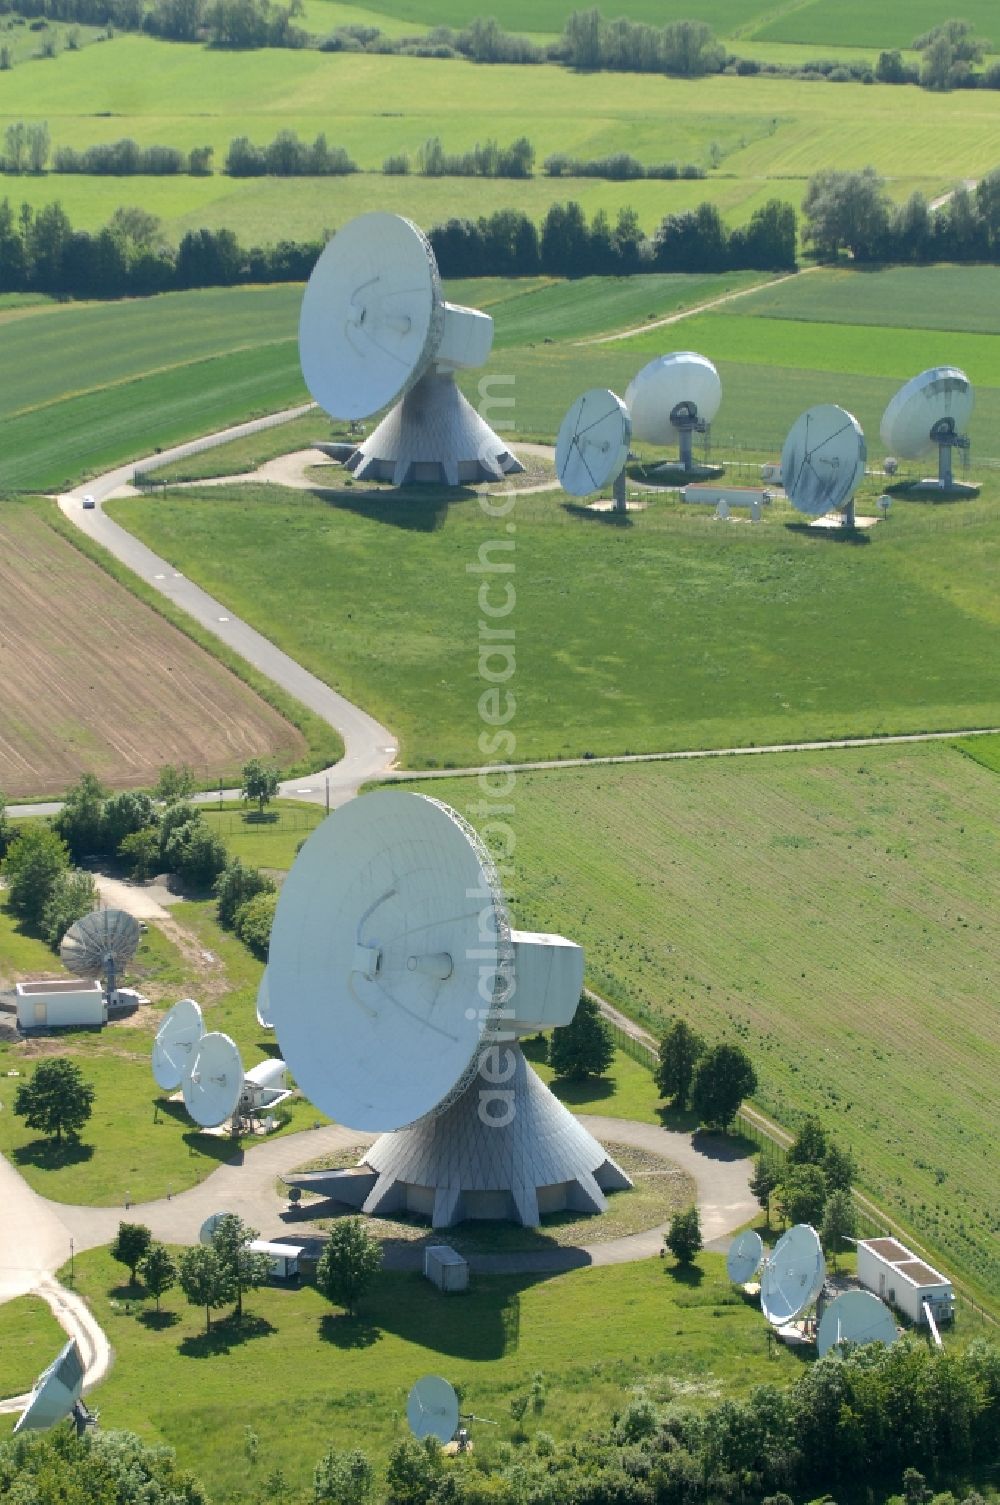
(432, 1409)
(372, 315)
(941, 392)
(855, 1317)
(176, 1044)
(384, 959)
(745, 1256)
(592, 444)
(823, 461)
(793, 1277)
(212, 1087)
(684, 376)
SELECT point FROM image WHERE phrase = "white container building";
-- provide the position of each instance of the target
(445, 1268)
(897, 1276)
(66, 1003)
(284, 1257)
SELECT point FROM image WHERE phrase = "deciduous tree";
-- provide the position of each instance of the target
(348, 1264)
(132, 1243)
(34, 862)
(204, 1280)
(683, 1237)
(246, 1269)
(722, 1079)
(680, 1051)
(55, 1099)
(260, 782)
(158, 1271)
(584, 1047)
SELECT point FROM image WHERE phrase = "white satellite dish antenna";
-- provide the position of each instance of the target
(213, 1086)
(745, 1257)
(855, 1317)
(931, 409)
(393, 973)
(176, 1044)
(56, 1391)
(793, 1276)
(592, 445)
(100, 946)
(673, 398)
(432, 1409)
(264, 1003)
(823, 461)
(374, 329)
(208, 1227)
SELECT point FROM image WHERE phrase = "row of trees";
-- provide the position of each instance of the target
(44, 890)
(619, 167)
(852, 211)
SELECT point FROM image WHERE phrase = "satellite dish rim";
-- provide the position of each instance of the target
(101, 940)
(179, 1025)
(214, 1085)
(912, 412)
(432, 1401)
(796, 1250)
(665, 384)
(745, 1256)
(848, 1308)
(818, 486)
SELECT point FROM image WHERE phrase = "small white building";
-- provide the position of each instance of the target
(897, 1276)
(445, 1268)
(284, 1257)
(68, 1003)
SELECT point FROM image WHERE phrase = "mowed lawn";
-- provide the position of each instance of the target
(299, 1357)
(669, 633)
(768, 134)
(835, 913)
(30, 1338)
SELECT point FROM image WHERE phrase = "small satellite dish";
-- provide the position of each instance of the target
(56, 1391)
(176, 1044)
(823, 461)
(931, 409)
(432, 1409)
(208, 1227)
(213, 1086)
(793, 1277)
(375, 328)
(746, 1254)
(264, 1003)
(388, 924)
(593, 440)
(855, 1317)
(101, 945)
(672, 398)
(883, 504)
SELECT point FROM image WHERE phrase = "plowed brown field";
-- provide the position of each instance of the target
(93, 680)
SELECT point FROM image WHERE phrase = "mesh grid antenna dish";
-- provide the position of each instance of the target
(432, 1409)
(746, 1254)
(55, 1392)
(100, 945)
(390, 960)
(213, 1086)
(592, 445)
(855, 1317)
(673, 394)
(793, 1277)
(264, 1003)
(823, 461)
(937, 402)
(372, 315)
(176, 1044)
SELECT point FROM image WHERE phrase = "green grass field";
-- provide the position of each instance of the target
(30, 1338)
(772, 133)
(834, 913)
(690, 1339)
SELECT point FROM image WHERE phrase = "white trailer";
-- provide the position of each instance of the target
(284, 1257)
(445, 1268)
(62, 1003)
(896, 1275)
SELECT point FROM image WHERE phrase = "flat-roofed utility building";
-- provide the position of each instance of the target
(62, 1003)
(897, 1276)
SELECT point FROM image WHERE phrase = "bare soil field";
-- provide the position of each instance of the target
(94, 680)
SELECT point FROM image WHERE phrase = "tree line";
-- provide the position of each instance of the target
(852, 212)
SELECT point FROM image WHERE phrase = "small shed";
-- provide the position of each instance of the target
(62, 1003)
(284, 1257)
(446, 1268)
(896, 1275)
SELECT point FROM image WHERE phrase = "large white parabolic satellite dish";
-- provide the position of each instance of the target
(101, 945)
(592, 444)
(673, 397)
(746, 1254)
(56, 1391)
(941, 395)
(374, 328)
(793, 1277)
(855, 1317)
(213, 1086)
(432, 1409)
(176, 1044)
(823, 461)
(385, 959)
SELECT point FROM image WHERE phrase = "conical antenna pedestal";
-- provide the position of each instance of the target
(433, 436)
(505, 1150)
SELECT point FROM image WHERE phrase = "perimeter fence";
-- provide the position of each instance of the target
(772, 1143)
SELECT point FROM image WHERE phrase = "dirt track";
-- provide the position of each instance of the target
(125, 692)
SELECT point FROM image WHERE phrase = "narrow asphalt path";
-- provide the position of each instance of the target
(698, 308)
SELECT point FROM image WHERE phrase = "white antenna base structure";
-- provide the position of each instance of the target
(504, 1150)
(433, 436)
